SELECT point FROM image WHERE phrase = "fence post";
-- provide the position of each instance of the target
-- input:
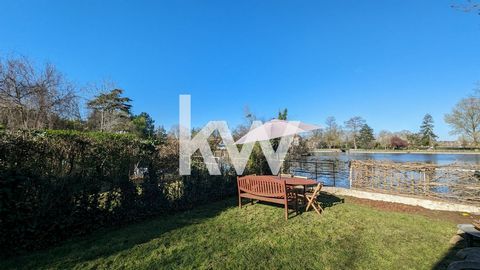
(425, 188)
(316, 173)
(351, 172)
(413, 181)
(333, 171)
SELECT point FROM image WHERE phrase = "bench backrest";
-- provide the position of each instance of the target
(262, 186)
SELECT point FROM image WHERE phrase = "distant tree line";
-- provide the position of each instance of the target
(464, 119)
(40, 97)
(356, 133)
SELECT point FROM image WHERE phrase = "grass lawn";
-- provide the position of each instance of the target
(220, 235)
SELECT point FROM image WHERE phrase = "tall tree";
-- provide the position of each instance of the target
(317, 140)
(161, 135)
(111, 109)
(428, 137)
(384, 138)
(32, 97)
(465, 119)
(354, 125)
(413, 139)
(332, 132)
(282, 115)
(365, 137)
(144, 125)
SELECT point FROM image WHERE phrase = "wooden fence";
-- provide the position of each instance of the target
(454, 182)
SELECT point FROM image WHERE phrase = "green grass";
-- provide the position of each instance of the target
(220, 236)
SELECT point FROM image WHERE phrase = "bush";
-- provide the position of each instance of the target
(57, 184)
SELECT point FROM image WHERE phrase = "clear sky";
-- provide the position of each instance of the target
(387, 61)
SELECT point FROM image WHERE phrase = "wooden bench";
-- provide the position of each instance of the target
(264, 188)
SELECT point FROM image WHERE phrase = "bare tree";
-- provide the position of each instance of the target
(15, 93)
(354, 125)
(384, 138)
(244, 128)
(468, 6)
(332, 132)
(465, 119)
(316, 140)
(34, 98)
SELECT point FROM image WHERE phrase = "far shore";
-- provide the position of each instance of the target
(389, 151)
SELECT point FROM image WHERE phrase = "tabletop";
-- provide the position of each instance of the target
(293, 181)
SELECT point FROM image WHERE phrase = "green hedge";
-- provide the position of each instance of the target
(57, 184)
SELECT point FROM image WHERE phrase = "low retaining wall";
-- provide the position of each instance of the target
(425, 203)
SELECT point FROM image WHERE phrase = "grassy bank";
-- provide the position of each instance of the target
(348, 235)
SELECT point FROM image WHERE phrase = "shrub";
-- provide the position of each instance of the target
(57, 184)
(397, 143)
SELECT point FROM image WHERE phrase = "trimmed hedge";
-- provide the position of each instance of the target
(57, 184)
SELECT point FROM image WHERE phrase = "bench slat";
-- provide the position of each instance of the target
(261, 198)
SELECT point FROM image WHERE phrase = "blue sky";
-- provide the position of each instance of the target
(387, 61)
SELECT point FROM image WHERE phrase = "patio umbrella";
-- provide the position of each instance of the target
(275, 129)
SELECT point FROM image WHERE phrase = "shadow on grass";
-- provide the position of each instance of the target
(329, 200)
(110, 241)
(450, 255)
(78, 252)
(326, 200)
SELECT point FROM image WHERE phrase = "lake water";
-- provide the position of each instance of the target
(333, 170)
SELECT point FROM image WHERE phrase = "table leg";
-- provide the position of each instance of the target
(304, 192)
(296, 202)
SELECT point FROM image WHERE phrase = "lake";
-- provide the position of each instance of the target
(332, 168)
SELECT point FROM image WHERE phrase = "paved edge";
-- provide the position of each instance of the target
(428, 204)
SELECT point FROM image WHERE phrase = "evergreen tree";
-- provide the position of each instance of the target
(144, 125)
(282, 115)
(161, 135)
(365, 137)
(428, 137)
(110, 111)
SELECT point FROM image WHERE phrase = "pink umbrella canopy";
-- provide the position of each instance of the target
(275, 129)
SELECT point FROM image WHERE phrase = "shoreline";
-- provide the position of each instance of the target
(422, 152)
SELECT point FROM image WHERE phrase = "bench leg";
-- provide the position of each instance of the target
(240, 202)
(286, 211)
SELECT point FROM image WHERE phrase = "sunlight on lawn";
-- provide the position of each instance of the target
(221, 235)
